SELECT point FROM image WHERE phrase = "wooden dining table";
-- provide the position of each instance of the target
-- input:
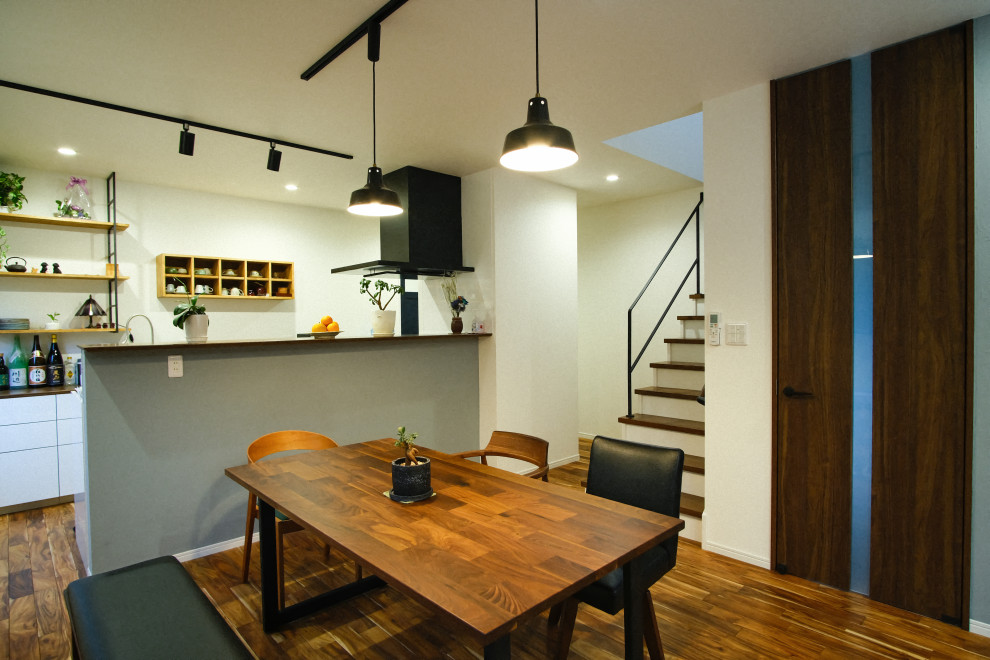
(487, 551)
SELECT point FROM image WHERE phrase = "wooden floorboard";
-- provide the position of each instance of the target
(709, 606)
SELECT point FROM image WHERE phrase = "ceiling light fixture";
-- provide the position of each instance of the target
(291, 186)
(612, 177)
(67, 151)
(274, 158)
(539, 145)
(187, 141)
(374, 199)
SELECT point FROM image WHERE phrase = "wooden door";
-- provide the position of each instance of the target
(922, 348)
(813, 320)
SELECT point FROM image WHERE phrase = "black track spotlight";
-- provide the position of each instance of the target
(274, 158)
(187, 141)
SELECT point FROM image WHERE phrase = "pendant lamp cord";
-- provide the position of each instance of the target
(536, 4)
(374, 120)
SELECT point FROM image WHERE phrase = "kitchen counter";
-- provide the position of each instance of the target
(90, 348)
(156, 446)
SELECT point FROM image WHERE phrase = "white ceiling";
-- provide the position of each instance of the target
(454, 78)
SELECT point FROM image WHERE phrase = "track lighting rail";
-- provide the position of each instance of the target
(169, 118)
(384, 12)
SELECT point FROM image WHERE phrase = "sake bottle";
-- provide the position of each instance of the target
(18, 366)
(54, 366)
(37, 374)
(4, 375)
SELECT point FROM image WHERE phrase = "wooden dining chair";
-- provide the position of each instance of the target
(267, 445)
(645, 476)
(519, 446)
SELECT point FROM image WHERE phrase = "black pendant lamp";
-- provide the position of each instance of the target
(374, 199)
(539, 145)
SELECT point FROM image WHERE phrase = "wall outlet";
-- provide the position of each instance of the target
(175, 366)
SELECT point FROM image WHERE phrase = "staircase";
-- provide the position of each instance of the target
(670, 415)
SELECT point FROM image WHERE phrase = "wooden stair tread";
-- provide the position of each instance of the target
(697, 296)
(669, 392)
(694, 464)
(683, 366)
(667, 423)
(690, 318)
(692, 505)
(682, 340)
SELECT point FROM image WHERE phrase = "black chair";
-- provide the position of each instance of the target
(644, 476)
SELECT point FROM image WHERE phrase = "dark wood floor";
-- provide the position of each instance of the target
(709, 606)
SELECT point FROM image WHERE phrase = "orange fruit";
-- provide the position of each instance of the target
(333, 327)
(326, 320)
(319, 327)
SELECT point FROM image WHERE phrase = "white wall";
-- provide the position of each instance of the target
(619, 245)
(521, 232)
(177, 221)
(738, 379)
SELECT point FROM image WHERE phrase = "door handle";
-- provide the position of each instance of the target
(792, 393)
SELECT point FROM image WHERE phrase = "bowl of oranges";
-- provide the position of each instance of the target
(325, 328)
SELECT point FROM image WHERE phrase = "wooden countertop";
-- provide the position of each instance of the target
(278, 342)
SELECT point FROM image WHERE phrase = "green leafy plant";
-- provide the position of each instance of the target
(184, 310)
(12, 191)
(54, 317)
(66, 210)
(408, 444)
(381, 288)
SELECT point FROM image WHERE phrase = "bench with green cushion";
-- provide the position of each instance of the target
(148, 610)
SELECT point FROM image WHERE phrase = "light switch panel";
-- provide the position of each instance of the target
(737, 334)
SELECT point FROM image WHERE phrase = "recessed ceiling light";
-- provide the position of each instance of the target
(291, 186)
(612, 177)
(67, 151)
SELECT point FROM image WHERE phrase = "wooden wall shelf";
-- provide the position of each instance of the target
(275, 279)
(40, 331)
(61, 223)
(64, 276)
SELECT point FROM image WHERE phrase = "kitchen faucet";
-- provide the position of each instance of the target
(127, 330)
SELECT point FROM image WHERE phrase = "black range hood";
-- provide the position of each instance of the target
(425, 239)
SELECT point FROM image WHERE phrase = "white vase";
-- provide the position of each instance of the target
(383, 322)
(53, 325)
(195, 327)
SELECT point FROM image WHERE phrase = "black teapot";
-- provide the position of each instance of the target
(15, 267)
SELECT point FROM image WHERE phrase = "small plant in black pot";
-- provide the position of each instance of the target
(410, 474)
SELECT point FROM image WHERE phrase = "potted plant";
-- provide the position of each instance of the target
(382, 320)
(12, 196)
(410, 474)
(191, 317)
(457, 303)
(54, 324)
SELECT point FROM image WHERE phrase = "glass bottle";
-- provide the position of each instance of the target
(4, 375)
(37, 374)
(18, 366)
(55, 367)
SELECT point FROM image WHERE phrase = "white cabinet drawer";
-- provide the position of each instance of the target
(27, 409)
(18, 437)
(70, 469)
(28, 476)
(69, 431)
(68, 406)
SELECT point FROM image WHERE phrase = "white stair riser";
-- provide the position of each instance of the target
(691, 444)
(693, 329)
(692, 528)
(667, 407)
(684, 379)
(686, 352)
(693, 483)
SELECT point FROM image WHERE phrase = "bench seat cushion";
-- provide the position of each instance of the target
(149, 610)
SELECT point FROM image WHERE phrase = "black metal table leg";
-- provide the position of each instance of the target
(500, 649)
(633, 607)
(270, 619)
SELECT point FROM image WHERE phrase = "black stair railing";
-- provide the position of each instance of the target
(695, 268)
